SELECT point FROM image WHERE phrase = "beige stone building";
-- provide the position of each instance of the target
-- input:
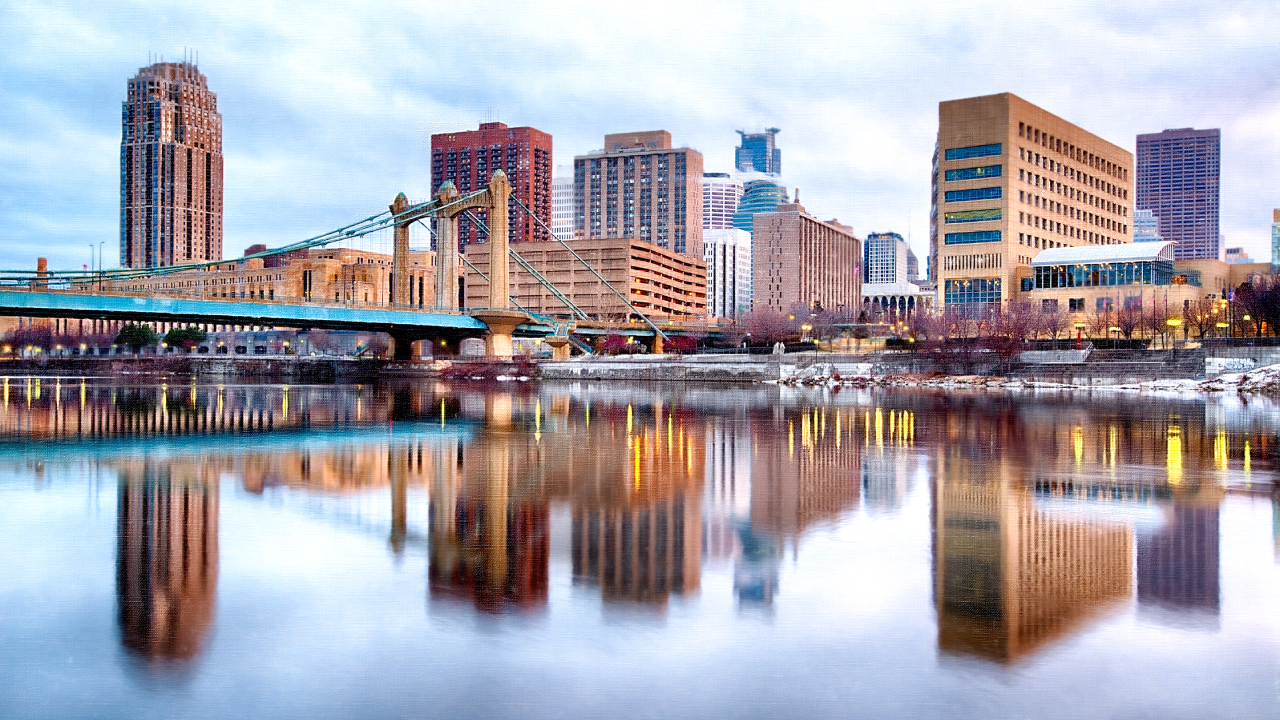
(1010, 180)
(799, 259)
(660, 283)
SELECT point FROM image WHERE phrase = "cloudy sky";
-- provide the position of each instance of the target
(328, 108)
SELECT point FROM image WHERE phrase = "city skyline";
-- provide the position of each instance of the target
(317, 138)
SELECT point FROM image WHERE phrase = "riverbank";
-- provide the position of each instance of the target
(282, 368)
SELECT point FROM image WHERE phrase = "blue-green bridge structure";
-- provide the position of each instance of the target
(92, 295)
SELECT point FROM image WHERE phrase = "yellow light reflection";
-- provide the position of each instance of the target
(1077, 444)
(628, 419)
(1248, 458)
(1221, 454)
(791, 438)
(1174, 461)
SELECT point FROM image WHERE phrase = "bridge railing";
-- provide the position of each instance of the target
(208, 294)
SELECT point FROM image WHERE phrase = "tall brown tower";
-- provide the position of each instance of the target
(170, 169)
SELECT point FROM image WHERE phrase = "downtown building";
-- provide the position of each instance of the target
(800, 261)
(720, 195)
(640, 187)
(562, 207)
(888, 275)
(1011, 180)
(469, 159)
(727, 253)
(759, 152)
(170, 169)
(1177, 179)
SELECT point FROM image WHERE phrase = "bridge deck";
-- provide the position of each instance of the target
(56, 304)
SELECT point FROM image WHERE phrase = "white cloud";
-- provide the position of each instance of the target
(328, 108)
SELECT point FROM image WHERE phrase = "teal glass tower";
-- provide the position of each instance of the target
(759, 152)
(758, 196)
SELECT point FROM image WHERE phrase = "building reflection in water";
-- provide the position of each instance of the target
(636, 497)
(1178, 566)
(1010, 577)
(167, 558)
(490, 518)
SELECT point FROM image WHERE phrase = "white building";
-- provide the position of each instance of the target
(885, 258)
(562, 207)
(729, 274)
(720, 196)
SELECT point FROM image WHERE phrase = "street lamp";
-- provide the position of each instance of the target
(1114, 339)
(1079, 332)
(1173, 324)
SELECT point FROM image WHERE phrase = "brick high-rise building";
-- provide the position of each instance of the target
(468, 159)
(800, 260)
(640, 187)
(1177, 179)
(1010, 181)
(170, 168)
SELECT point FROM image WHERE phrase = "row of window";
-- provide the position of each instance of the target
(974, 173)
(1158, 272)
(975, 290)
(970, 238)
(964, 216)
(987, 193)
(974, 151)
(1079, 155)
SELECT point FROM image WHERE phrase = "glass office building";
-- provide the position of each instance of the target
(759, 152)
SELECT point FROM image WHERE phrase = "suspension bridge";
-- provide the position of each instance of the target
(118, 295)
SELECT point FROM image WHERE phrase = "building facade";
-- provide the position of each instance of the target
(720, 196)
(640, 187)
(727, 253)
(1146, 226)
(1012, 180)
(1236, 256)
(759, 152)
(562, 207)
(885, 258)
(758, 196)
(800, 260)
(659, 283)
(170, 168)
(469, 159)
(1177, 179)
(1275, 242)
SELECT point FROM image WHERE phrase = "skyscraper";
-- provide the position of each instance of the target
(884, 258)
(759, 152)
(1177, 179)
(1013, 180)
(562, 207)
(639, 186)
(720, 195)
(469, 159)
(170, 168)
(801, 261)
(758, 196)
(727, 252)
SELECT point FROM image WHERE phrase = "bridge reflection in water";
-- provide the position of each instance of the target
(1041, 520)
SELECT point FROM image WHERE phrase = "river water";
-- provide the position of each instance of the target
(631, 550)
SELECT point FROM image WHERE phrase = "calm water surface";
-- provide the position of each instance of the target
(593, 550)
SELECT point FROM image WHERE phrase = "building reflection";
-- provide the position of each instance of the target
(636, 503)
(805, 466)
(166, 558)
(1009, 577)
(1178, 565)
(490, 519)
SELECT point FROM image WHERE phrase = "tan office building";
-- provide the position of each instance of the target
(800, 260)
(1010, 180)
(659, 283)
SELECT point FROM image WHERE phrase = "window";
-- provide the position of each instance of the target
(973, 173)
(977, 290)
(964, 216)
(1075, 304)
(989, 193)
(968, 238)
(1104, 304)
(1049, 305)
(974, 151)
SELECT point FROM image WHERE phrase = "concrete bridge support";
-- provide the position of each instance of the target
(401, 288)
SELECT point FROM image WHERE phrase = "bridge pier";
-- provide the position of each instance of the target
(502, 323)
(559, 347)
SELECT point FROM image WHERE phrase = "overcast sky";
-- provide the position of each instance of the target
(328, 109)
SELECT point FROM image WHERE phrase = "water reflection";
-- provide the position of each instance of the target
(166, 558)
(1048, 515)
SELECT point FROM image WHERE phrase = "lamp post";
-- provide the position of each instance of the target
(1113, 331)
(1079, 332)
(1172, 324)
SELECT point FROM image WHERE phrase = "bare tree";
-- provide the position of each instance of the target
(769, 326)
